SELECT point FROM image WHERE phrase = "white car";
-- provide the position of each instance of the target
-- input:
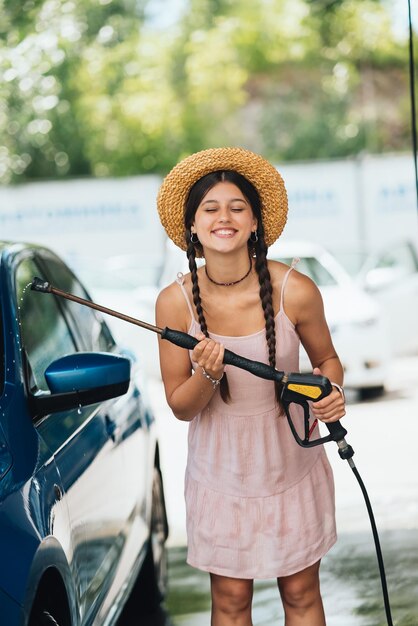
(357, 326)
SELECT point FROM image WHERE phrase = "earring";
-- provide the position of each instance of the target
(194, 240)
(254, 236)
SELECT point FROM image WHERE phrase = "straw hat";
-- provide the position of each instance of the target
(266, 179)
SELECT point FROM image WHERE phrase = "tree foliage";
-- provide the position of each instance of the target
(92, 87)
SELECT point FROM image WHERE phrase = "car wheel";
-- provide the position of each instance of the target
(50, 606)
(159, 533)
(150, 588)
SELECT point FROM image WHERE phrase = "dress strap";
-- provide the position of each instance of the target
(286, 276)
(180, 282)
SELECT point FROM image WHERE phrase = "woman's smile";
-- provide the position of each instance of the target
(224, 232)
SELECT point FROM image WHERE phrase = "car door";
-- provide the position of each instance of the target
(84, 444)
(128, 468)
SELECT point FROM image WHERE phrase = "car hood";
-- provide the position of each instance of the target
(348, 305)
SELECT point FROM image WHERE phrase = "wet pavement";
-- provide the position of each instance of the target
(350, 584)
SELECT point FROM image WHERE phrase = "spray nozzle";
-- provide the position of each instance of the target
(39, 284)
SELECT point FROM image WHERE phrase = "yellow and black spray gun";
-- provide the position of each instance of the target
(299, 389)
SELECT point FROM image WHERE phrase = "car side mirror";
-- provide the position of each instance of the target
(381, 277)
(81, 379)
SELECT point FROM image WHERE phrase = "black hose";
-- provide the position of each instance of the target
(377, 545)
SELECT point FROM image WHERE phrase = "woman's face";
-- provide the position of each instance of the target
(224, 219)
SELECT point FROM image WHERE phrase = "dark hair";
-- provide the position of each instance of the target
(257, 249)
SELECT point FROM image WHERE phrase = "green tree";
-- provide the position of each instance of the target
(43, 45)
(339, 100)
(90, 87)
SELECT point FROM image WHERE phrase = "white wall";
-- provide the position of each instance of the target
(323, 203)
(389, 199)
(93, 218)
(350, 206)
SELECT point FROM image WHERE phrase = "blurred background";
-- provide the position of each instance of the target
(100, 98)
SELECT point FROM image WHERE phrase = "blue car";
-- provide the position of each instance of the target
(82, 516)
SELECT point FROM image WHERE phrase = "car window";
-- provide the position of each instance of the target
(93, 331)
(314, 269)
(399, 257)
(44, 332)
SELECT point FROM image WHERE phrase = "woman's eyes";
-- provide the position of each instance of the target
(235, 209)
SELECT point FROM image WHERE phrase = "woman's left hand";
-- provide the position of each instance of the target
(332, 407)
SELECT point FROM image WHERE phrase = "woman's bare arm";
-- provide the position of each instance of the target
(305, 305)
(187, 393)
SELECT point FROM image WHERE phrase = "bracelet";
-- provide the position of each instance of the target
(215, 381)
(340, 389)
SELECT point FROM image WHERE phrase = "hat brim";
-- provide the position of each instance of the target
(266, 179)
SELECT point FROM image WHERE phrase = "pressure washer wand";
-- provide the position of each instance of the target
(183, 340)
(294, 381)
(297, 388)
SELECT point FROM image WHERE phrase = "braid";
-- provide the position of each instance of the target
(266, 293)
(191, 255)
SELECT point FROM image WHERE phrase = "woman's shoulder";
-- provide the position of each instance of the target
(299, 290)
(172, 292)
(278, 271)
(171, 301)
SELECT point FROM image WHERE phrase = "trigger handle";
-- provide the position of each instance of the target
(336, 430)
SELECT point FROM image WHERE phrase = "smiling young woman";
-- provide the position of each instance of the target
(258, 505)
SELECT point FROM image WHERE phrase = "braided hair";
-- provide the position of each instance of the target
(257, 249)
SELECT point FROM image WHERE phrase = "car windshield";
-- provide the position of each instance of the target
(401, 257)
(45, 334)
(314, 269)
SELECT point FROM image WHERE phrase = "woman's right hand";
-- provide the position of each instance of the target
(209, 354)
